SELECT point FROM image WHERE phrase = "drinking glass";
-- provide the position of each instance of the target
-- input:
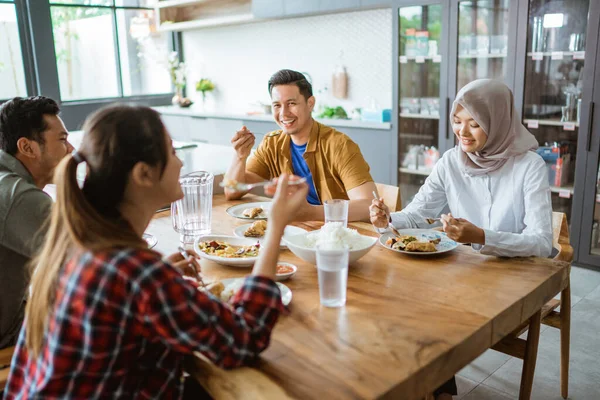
(191, 216)
(332, 266)
(336, 211)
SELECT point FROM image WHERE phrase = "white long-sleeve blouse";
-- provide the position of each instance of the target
(512, 204)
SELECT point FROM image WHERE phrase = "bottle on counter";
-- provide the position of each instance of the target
(339, 80)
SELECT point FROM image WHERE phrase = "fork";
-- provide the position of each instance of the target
(188, 257)
(389, 223)
(242, 187)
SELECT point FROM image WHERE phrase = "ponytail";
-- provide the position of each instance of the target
(74, 226)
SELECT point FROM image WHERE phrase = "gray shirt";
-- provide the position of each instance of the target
(23, 210)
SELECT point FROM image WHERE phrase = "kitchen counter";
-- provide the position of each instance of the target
(195, 112)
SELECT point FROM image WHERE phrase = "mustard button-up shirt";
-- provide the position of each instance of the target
(335, 161)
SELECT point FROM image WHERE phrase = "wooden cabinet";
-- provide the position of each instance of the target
(178, 15)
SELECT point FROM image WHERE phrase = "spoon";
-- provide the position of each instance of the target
(236, 186)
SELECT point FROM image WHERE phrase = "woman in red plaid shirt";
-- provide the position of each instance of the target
(108, 317)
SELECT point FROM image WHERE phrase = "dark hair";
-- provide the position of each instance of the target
(115, 139)
(24, 117)
(289, 77)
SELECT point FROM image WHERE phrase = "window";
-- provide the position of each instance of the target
(12, 72)
(107, 48)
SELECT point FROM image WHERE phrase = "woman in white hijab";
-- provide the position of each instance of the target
(494, 186)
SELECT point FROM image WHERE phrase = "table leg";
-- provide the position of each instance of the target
(531, 349)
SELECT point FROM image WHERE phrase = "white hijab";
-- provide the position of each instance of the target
(491, 105)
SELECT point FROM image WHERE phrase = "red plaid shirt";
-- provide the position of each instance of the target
(122, 322)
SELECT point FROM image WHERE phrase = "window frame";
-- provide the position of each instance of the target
(41, 71)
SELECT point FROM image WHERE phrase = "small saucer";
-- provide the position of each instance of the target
(283, 277)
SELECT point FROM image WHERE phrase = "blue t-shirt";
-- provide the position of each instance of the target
(301, 169)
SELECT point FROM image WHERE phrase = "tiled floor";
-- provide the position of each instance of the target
(496, 376)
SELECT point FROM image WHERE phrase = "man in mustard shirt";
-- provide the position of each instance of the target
(331, 161)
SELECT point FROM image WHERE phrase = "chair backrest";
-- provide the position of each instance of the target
(560, 237)
(391, 196)
(5, 358)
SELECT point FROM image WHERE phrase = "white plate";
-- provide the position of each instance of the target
(235, 241)
(237, 211)
(289, 231)
(286, 292)
(446, 244)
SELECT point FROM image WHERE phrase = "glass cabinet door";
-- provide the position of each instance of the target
(482, 40)
(554, 82)
(420, 66)
(585, 235)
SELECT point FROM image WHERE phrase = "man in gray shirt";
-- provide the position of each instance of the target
(33, 140)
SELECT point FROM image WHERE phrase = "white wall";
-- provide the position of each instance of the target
(240, 59)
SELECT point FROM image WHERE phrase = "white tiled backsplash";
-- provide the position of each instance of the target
(240, 59)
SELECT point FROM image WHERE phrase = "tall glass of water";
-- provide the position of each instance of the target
(332, 266)
(336, 211)
(192, 215)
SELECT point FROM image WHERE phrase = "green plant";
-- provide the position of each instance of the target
(205, 85)
(333, 112)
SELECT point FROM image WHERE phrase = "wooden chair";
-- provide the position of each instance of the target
(5, 357)
(391, 196)
(527, 349)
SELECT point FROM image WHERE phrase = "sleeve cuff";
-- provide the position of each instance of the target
(259, 290)
(491, 239)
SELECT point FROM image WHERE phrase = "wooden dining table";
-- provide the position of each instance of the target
(409, 324)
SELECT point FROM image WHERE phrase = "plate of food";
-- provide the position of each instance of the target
(258, 229)
(418, 242)
(253, 211)
(226, 288)
(228, 250)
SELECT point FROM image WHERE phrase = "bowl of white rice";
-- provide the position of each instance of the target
(304, 245)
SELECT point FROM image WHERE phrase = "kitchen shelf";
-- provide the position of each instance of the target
(436, 58)
(558, 189)
(549, 122)
(197, 24)
(488, 55)
(580, 54)
(178, 15)
(411, 171)
(419, 116)
(416, 136)
(178, 3)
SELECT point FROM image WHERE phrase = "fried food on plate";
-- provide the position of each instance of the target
(422, 247)
(252, 212)
(257, 229)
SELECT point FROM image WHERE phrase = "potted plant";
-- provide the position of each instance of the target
(203, 86)
(177, 74)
